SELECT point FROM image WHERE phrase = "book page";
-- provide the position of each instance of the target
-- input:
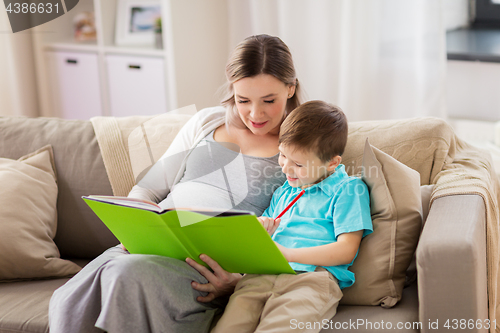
(128, 202)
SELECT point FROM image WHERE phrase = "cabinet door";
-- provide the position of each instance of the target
(74, 80)
(136, 85)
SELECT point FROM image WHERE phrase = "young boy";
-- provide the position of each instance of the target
(319, 235)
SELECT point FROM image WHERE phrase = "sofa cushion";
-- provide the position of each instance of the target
(369, 319)
(28, 218)
(24, 305)
(396, 209)
(80, 171)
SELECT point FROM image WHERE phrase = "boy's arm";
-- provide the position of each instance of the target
(341, 252)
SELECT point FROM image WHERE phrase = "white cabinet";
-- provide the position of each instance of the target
(136, 85)
(187, 70)
(74, 84)
(80, 80)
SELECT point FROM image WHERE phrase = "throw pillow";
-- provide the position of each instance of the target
(425, 194)
(28, 218)
(396, 210)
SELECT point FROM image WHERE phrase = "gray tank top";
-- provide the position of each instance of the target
(218, 177)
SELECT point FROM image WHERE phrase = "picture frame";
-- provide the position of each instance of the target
(135, 22)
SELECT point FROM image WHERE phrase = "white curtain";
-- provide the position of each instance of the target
(18, 93)
(376, 59)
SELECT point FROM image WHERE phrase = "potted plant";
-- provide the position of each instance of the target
(158, 34)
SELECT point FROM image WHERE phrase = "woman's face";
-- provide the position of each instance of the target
(261, 102)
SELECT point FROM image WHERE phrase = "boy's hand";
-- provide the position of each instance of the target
(269, 224)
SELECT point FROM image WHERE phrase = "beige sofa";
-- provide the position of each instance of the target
(451, 261)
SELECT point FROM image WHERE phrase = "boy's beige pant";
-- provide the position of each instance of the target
(281, 303)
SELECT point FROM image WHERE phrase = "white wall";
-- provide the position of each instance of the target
(472, 90)
(18, 94)
(200, 27)
(455, 14)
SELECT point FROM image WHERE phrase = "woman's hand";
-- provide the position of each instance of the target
(219, 283)
(269, 224)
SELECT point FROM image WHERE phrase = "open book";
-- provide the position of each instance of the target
(235, 239)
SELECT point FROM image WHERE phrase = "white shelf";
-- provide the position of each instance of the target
(135, 50)
(90, 46)
(139, 50)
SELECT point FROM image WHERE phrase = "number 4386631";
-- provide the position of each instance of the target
(32, 8)
(455, 324)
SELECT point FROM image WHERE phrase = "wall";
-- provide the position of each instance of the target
(455, 14)
(200, 33)
(18, 94)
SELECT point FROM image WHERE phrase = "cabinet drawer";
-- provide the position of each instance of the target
(136, 85)
(74, 84)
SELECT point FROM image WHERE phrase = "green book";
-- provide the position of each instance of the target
(235, 239)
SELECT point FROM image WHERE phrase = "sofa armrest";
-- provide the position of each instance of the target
(451, 265)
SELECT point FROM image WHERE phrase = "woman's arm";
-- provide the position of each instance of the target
(342, 252)
(168, 170)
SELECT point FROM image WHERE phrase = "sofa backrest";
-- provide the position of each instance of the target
(420, 143)
(80, 171)
(423, 144)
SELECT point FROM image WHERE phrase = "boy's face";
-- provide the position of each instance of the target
(304, 168)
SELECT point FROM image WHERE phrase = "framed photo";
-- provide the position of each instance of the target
(135, 21)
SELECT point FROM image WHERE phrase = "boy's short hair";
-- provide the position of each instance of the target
(316, 126)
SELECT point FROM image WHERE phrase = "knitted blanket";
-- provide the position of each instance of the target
(472, 172)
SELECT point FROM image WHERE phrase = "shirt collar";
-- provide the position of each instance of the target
(327, 185)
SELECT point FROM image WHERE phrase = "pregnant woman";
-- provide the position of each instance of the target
(224, 157)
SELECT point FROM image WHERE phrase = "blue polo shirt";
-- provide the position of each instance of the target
(336, 205)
